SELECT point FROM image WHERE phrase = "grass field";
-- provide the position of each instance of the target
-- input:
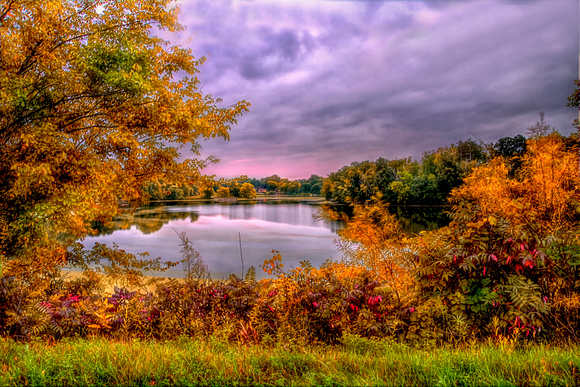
(357, 362)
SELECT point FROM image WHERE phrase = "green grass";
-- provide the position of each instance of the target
(212, 362)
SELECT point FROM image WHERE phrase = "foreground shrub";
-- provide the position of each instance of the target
(509, 261)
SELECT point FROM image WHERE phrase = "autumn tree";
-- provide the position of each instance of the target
(223, 192)
(248, 191)
(92, 106)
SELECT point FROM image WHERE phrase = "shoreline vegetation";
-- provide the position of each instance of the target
(258, 199)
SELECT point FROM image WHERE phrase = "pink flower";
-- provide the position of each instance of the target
(315, 304)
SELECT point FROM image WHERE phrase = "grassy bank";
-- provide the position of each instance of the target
(213, 362)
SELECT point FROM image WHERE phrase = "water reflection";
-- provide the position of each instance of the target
(294, 229)
(146, 220)
(414, 219)
(215, 229)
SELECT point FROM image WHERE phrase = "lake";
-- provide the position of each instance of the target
(292, 228)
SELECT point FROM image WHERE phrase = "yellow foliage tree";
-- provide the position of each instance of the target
(92, 106)
(248, 191)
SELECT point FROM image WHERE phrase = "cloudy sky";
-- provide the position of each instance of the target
(331, 82)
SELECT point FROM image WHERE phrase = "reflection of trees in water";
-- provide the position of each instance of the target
(333, 215)
(413, 220)
(147, 220)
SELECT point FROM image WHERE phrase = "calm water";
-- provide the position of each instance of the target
(215, 228)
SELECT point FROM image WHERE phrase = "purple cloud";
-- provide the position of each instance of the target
(335, 82)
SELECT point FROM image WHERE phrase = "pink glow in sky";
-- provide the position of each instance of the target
(332, 82)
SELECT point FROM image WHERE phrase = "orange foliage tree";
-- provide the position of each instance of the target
(373, 239)
(509, 261)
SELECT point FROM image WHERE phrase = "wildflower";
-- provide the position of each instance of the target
(529, 263)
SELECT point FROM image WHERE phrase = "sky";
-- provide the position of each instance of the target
(332, 82)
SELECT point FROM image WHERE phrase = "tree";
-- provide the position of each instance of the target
(512, 149)
(92, 106)
(509, 258)
(247, 191)
(470, 150)
(540, 128)
(510, 146)
(223, 192)
(272, 185)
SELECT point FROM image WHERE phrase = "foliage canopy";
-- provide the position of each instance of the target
(92, 106)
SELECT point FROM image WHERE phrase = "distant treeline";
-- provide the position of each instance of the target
(239, 187)
(404, 181)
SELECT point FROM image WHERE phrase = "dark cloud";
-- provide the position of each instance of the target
(335, 82)
(277, 53)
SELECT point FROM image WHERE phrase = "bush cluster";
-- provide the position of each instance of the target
(303, 305)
